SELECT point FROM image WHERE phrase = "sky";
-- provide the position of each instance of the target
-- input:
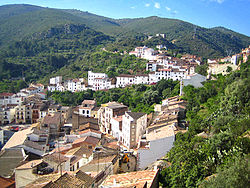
(232, 14)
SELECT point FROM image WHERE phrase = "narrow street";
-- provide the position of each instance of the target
(130, 166)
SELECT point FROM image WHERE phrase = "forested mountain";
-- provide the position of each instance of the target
(20, 21)
(36, 42)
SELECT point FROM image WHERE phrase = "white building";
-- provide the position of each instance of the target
(52, 87)
(141, 79)
(75, 85)
(40, 87)
(5, 98)
(234, 59)
(102, 83)
(7, 114)
(151, 66)
(56, 80)
(92, 76)
(133, 127)
(124, 80)
(144, 52)
(106, 112)
(87, 107)
(10, 98)
(116, 126)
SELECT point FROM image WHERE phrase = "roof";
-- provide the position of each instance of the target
(6, 94)
(136, 115)
(89, 102)
(78, 154)
(114, 105)
(89, 130)
(93, 169)
(43, 181)
(112, 145)
(30, 164)
(6, 182)
(87, 139)
(161, 132)
(54, 118)
(18, 138)
(108, 159)
(144, 75)
(31, 88)
(34, 145)
(55, 158)
(88, 180)
(69, 181)
(126, 75)
(132, 179)
(9, 160)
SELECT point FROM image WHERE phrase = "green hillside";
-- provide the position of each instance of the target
(21, 21)
(189, 37)
(36, 42)
(26, 23)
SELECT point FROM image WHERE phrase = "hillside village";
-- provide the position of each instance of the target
(90, 145)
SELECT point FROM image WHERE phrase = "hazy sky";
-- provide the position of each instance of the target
(232, 14)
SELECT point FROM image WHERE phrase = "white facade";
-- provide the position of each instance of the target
(90, 132)
(106, 112)
(85, 111)
(144, 52)
(133, 127)
(101, 83)
(116, 125)
(141, 79)
(6, 98)
(234, 59)
(56, 80)
(92, 76)
(125, 80)
(151, 66)
(6, 116)
(75, 85)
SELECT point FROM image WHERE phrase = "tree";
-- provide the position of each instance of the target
(234, 174)
(229, 69)
(202, 69)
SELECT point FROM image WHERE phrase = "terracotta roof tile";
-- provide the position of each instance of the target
(132, 179)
